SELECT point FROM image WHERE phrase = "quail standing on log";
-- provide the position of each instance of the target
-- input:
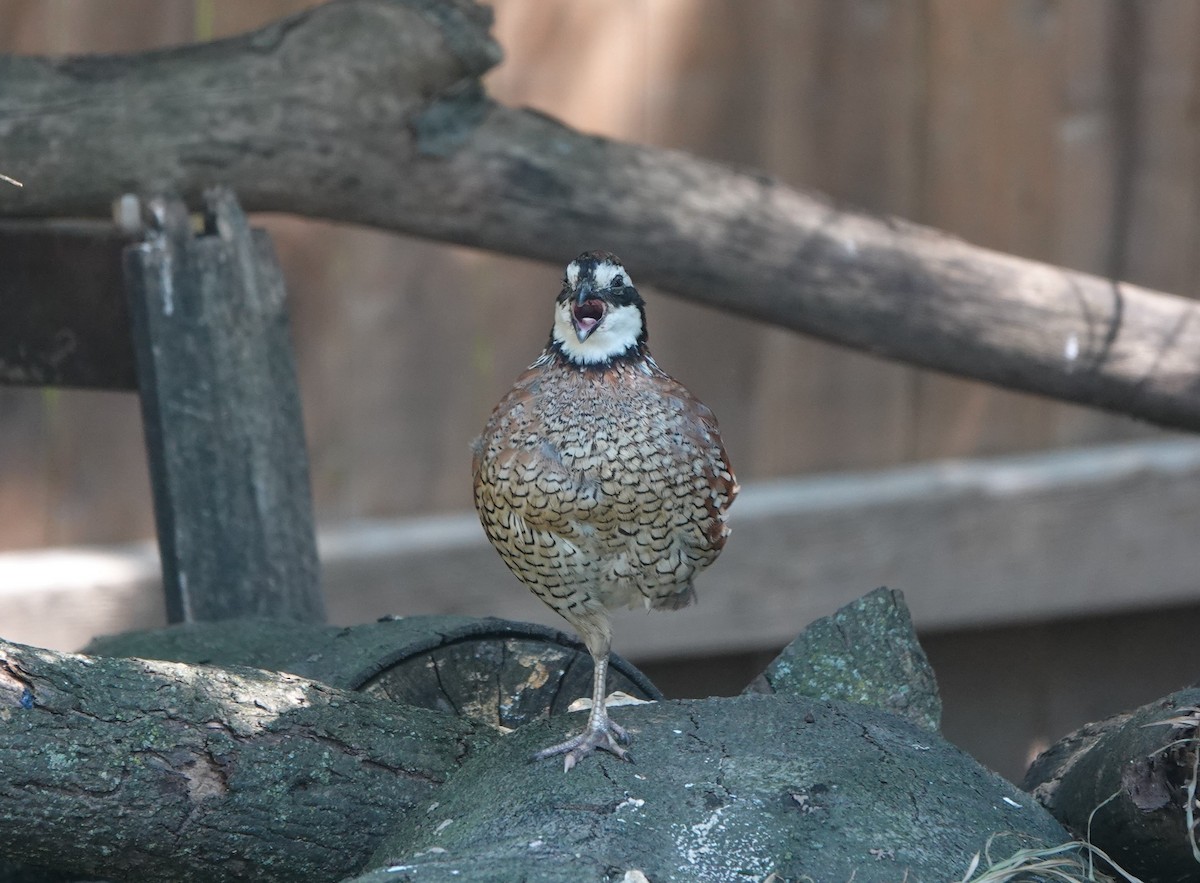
(601, 481)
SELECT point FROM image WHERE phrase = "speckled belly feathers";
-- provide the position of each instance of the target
(603, 488)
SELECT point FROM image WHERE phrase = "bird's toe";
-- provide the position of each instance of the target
(608, 737)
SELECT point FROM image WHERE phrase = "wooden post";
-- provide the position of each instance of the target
(222, 418)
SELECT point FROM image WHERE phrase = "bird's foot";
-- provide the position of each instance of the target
(604, 735)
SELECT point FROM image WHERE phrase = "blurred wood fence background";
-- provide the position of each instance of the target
(1062, 130)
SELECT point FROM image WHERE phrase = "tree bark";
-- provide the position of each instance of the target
(501, 673)
(866, 652)
(729, 789)
(399, 134)
(1126, 783)
(132, 769)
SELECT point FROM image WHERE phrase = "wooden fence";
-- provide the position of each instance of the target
(1053, 130)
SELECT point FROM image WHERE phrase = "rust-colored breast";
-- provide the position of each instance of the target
(603, 488)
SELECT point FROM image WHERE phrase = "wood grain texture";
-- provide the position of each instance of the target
(971, 544)
(221, 412)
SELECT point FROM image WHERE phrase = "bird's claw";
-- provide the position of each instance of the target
(605, 737)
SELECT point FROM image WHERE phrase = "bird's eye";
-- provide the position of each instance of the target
(618, 281)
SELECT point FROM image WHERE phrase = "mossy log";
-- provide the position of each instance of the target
(867, 652)
(1126, 784)
(135, 769)
(132, 769)
(501, 673)
(820, 779)
(729, 789)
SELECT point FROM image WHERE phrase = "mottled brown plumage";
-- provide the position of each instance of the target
(601, 481)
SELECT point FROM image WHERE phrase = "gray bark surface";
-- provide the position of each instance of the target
(730, 789)
(376, 105)
(1125, 783)
(131, 769)
(866, 652)
(494, 671)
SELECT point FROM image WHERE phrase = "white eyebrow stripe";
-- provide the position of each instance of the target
(607, 271)
(573, 273)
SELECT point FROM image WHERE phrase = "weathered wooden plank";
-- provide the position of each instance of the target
(65, 315)
(970, 543)
(85, 27)
(221, 411)
(989, 141)
(1152, 58)
(827, 112)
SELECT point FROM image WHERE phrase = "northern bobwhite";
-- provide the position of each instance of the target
(601, 481)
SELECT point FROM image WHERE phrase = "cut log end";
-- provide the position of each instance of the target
(1129, 785)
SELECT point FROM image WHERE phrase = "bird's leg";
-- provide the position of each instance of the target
(601, 732)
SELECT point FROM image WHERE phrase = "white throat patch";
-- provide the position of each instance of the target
(617, 332)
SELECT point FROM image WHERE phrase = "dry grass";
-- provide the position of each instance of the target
(1073, 862)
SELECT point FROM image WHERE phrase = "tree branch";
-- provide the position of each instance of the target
(371, 111)
(133, 769)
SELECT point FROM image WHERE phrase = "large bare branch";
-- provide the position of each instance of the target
(371, 111)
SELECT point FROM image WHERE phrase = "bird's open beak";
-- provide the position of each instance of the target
(587, 312)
